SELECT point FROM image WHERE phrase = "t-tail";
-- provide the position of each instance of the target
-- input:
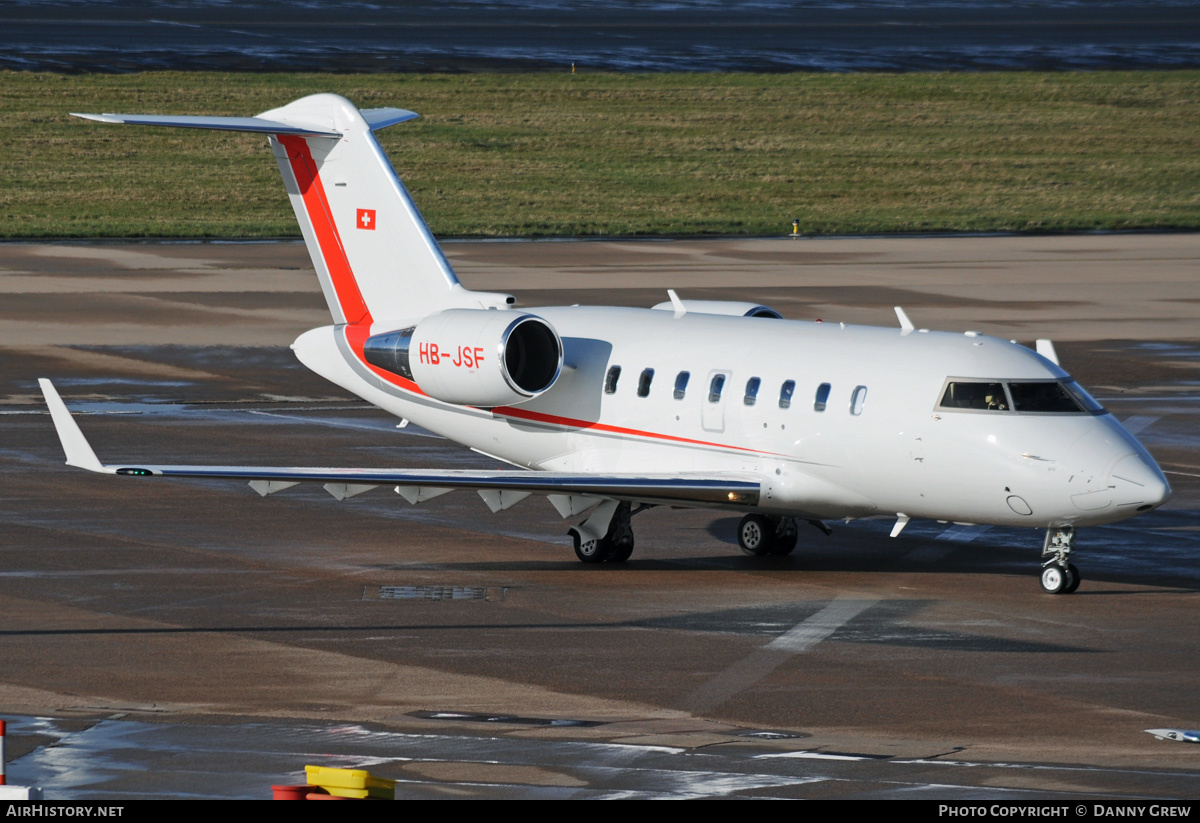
(376, 258)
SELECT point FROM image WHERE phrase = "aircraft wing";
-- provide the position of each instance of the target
(499, 489)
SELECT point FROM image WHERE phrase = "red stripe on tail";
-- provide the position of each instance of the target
(321, 217)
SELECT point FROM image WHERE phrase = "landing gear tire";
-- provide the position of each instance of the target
(1073, 579)
(615, 546)
(784, 546)
(1055, 579)
(621, 553)
(785, 537)
(589, 551)
(756, 535)
(1059, 575)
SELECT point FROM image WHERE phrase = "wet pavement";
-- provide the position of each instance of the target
(657, 35)
(194, 639)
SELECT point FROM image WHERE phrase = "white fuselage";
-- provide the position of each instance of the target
(893, 452)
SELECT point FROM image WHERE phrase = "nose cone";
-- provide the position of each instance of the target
(1137, 481)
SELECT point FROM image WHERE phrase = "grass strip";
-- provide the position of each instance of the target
(629, 154)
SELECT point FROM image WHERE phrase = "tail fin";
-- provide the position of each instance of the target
(374, 254)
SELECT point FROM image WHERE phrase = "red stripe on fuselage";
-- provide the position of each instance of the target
(359, 319)
(541, 417)
(357, 335)
(320, 216)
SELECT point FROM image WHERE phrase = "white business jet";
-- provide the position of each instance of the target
(608, 411)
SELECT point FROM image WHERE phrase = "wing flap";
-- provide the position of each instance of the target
(688, 488)
(684, 488)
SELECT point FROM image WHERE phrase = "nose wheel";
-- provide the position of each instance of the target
(1058, 579)
(1059, 575)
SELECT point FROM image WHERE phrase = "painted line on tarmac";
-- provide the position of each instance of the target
(761, 662)
(1138, 422)
(947, 540)
(964, 534)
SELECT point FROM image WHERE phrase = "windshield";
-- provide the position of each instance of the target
(1024, 396)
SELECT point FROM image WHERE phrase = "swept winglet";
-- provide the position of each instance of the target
(1046, 349)
(677, 304)
(78, 450)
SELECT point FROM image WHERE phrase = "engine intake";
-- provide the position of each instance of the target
(473, 357)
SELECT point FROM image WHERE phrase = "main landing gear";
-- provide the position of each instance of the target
(760, 534)
(606, 536)
(1059, 575)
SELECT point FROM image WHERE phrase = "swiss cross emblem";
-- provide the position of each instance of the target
(365, 219)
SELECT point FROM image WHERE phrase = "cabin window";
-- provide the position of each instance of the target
(610, 379)
(644, 382)
(857, 399)
(715, 388)
(785, 394)
(751, 391)
(822, 397)
(975, 395)
(681, 381)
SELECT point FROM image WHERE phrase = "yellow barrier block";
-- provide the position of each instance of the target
(358, 783)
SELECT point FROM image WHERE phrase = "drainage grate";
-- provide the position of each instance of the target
(504, 718)
(762, 734)
(440, 593)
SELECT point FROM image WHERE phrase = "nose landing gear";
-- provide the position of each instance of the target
(1059, 575)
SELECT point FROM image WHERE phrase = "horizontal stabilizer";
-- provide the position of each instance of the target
(188, 121)
(513, 485)
(382, 118)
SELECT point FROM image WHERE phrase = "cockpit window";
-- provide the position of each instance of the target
(1023, 396)
(1042, 397)
(1053, 398)
(961, 394)
(1084, 399)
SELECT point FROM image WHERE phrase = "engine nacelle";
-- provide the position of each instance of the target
(473, 357)
(731, 307)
